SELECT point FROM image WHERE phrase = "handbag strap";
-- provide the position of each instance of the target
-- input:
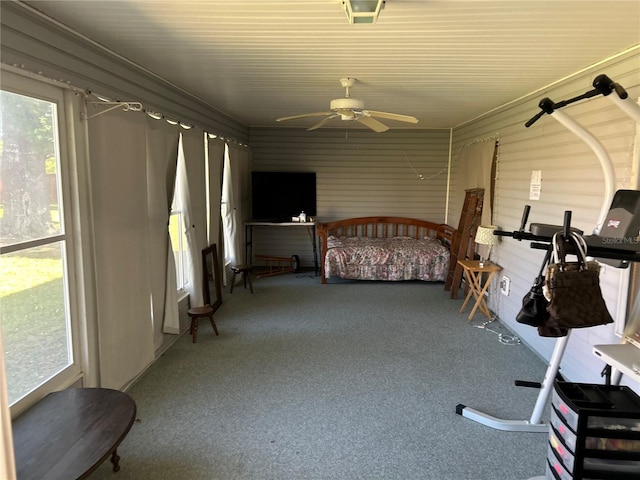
(560, 250)
(547, 257)
(558, 255)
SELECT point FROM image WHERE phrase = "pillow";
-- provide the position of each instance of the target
(333, 242)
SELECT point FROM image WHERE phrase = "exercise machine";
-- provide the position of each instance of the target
(541, 236)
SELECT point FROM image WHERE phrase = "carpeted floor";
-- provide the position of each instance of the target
(351, 380)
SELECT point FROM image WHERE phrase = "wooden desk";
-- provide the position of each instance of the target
(473, 273)
(68, 434)
(248, 227)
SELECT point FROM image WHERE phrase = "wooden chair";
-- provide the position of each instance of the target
(197, 313)
(245, 270)
(211, 290)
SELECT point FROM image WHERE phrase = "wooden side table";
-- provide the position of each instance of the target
(69, 433)
(473, 273)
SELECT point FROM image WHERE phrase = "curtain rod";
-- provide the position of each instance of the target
(126, 105)
(139, 107)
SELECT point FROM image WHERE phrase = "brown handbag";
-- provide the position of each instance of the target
(574, 287)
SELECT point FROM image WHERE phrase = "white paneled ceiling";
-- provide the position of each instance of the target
(444, 62)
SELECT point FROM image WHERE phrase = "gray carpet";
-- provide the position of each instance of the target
(351, 380)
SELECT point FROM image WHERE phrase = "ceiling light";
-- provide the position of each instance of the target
(362, 11)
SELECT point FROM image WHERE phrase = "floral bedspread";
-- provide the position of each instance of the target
(394, 259)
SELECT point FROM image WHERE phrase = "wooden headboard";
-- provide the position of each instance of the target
(381, 227)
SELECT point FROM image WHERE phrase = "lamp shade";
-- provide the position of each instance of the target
(485, 236)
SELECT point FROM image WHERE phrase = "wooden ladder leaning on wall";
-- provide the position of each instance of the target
(463, 243)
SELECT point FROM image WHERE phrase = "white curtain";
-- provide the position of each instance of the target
(162, 155)
(117, 150)
(229, 218)
(191, 158)
(235, 201)
(474, 169)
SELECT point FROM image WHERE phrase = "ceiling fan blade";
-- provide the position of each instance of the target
(393, 116)
(304, 115)
(373, 124)
(322, 122)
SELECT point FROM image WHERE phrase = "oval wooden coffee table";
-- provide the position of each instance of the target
(68, 434)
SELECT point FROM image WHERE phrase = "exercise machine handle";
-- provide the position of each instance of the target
(605, 86)
(535, 118)
(547, 106)
(521, 234)
(566, 226)
(525, 217)
(602, 84)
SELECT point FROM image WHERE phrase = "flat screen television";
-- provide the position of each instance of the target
(278, 196)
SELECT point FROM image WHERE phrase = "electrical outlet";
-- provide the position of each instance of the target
(505, 283)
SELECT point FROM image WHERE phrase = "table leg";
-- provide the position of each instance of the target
(470, 282)
(480, 290)
(312, 233)
(315, 249)
(115, 459)
(248, 244)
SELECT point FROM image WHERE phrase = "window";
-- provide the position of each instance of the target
(178, 236)
(35, 262)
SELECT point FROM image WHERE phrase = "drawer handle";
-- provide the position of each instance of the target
(564, 409)
(557, 468)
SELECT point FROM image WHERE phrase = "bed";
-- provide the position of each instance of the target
(385, 248)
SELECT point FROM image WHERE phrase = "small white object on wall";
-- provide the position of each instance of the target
(536, 185)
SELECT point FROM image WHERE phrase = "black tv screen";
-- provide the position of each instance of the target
(278, 196)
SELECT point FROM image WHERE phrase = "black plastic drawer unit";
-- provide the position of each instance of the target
(594, 432)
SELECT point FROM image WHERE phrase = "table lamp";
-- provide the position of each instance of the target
(485, 239)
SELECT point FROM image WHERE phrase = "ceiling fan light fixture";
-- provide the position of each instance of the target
(362, 11)
(346, 104)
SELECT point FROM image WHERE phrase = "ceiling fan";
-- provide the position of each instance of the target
(352, 109)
